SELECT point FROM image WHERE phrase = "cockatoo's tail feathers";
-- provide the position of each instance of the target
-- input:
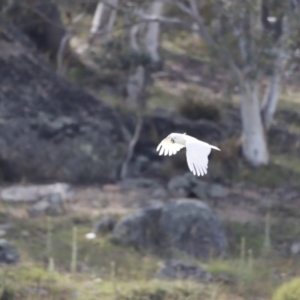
(213, 147)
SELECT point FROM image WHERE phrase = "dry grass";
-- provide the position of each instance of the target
(107, 271)
(30, 282)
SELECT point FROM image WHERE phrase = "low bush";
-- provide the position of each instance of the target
(196, 106)
(288, 291)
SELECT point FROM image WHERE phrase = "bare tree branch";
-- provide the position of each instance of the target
(64, 43)
(182, 7)
(132, 144)
(194, 12)
(61, 54)
(222, 52)
(147, 18)
(79, 17)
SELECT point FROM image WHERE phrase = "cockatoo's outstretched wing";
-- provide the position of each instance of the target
(197, 156)
(196, 151)
(168, 148)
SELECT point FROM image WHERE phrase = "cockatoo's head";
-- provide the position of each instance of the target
(177, 138)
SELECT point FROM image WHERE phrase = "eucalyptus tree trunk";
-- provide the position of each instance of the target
(104, 21)
(272, 93)
(144, 38)
(270, 100)
(135, 100)
(152, 36)
(254, 142)
(135, 87)
(98, 18)
(133, 38)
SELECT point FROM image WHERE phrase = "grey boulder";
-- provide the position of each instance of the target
(51, 205)
(8, 253)
(105, 225)
(181, 226)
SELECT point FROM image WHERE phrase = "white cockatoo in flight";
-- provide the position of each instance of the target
(196, 151)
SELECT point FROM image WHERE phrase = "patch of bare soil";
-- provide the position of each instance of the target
(242, 205)
(108, 199)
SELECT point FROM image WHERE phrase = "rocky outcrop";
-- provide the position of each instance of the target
(34, 193)
(51, 129)
(8, 253)
(187, 185)
(105, 225)
(51, 205)
(36, 19)
(180, 226)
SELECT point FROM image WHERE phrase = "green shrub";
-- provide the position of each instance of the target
(288, 291)
(7, 294)
(167, 292)
(228, 267)
(194, 107)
